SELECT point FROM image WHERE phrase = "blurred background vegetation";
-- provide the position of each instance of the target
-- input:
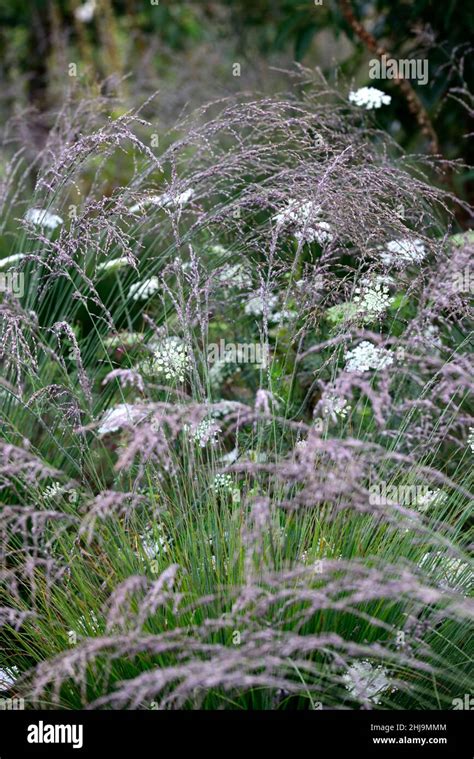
(187, 51)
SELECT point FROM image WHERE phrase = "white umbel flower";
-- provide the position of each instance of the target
(301, 445)
(170, 359)
(470, 439)
(54, 490)
(255, 306)
(335, 407)
(372, 299)
(234, 275)
(204, 433)
(431, 336)
(142, 290)
(367, 356)
(223, 483)
(218, 250)
(285, 315)
(154, 541)
(42, 218)
(122, 415)
(402, 253)
(305, 218)
(369, 98)
(366, 682)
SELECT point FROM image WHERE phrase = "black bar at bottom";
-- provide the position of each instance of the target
(154, 733)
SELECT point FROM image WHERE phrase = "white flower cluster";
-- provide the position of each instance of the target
(285, 315)
(402, 253)
(42, 218)
(170, 359)
(122, 415)
(142, 290)
(367, 356)
(154, 542)
(470, 439)
(223, 483)
(432, 337)
(369, 98)
(204, 433)
(54, 490)
(366, 682)
(218, 250)
(234, 275)
(335, 406)
(372, 299)
(304, 216)
(255, 306)
(301, 445)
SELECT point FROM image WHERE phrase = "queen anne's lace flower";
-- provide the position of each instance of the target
(122, 415)
(204, 433)
(223, 483)
(43, 218)
(142, 290)
(255, 306)
(369, 98)
(402, 253)
(366, 682)
(54, 490)
(218, 250)
(304, 218)
(170, 359)
(319, 231)
(470, 439)
(367, 356)
(431, 336)
(301, 445)
(285, 315)
(372, 299)
(154, 542)
(335, 406)
(234, 275)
